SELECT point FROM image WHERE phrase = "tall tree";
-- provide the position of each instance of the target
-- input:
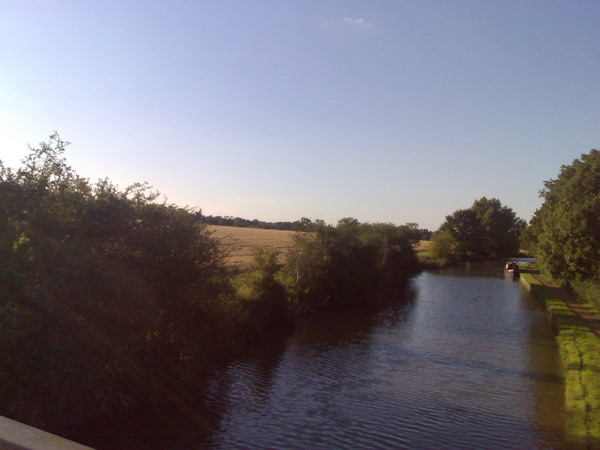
(564, 234)
(502, 228)
(486, 229)
(466, 228)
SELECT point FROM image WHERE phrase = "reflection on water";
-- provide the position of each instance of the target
(468, 361)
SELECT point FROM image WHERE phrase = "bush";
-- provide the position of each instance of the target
(108, 296)
(346, 265)
(442, 250)
(97, 286)
(261, 301)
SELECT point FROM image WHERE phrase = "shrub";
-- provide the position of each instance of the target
(261, 301)
(346, 265)
(97, 286)
(443, 248)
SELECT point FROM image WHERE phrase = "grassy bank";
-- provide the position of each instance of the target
(589, 292)
(580, 352)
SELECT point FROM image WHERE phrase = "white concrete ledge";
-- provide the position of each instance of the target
(18, 436)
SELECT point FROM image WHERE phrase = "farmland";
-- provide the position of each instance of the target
(241, 243)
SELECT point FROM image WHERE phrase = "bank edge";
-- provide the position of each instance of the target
(580, 352)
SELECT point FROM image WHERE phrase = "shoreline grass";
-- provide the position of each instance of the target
(580, 352)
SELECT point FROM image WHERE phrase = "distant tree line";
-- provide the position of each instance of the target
(299, 225)
(304, 224)
(563, 235)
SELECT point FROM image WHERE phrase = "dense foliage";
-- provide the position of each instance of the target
(442, 250)
(564, 233)
(110, 300)
(98, 287)
(347, 264)
(486, 229)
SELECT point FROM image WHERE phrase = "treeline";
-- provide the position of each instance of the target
(304, 224)
(108, 297)
(229, 221)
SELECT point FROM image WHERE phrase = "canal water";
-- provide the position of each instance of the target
(463, 358)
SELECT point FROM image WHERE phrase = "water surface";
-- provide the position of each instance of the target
(464, 358)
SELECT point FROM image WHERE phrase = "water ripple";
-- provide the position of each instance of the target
(463, 369)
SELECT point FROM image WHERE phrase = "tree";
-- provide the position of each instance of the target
(502, 228)
(486, 229)
(442, 247)
(347, 264)
(466, 228)
(564, 233)
(97, 286)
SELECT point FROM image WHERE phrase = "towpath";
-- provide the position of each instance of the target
(586, 315)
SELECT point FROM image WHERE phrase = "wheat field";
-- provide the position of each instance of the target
(241, 243)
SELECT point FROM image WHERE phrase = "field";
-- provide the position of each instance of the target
(241, 242)
(422, 246)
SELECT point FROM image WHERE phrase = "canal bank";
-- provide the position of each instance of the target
(578, 337)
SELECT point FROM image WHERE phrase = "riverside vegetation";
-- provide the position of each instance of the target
(564, 233)
(109, 296)
(564, 236)
(487, 229)
(101, 287)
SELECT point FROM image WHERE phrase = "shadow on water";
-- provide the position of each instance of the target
(157, 424)
(458, 358)
(245, 380)
(340, 327)
(466, 361)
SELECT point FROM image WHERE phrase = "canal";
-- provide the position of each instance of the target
(461, 358)
(464, 358)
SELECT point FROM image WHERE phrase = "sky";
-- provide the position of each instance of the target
(385, 111)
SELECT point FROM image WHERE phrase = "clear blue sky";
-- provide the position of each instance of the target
(386, 111)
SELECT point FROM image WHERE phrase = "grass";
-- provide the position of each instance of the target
(590, 292)
(421, 249)
(580, 352)
(427, 259)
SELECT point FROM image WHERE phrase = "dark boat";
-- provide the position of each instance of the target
(512, 267)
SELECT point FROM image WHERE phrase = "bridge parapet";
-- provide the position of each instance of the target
(18, 436)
